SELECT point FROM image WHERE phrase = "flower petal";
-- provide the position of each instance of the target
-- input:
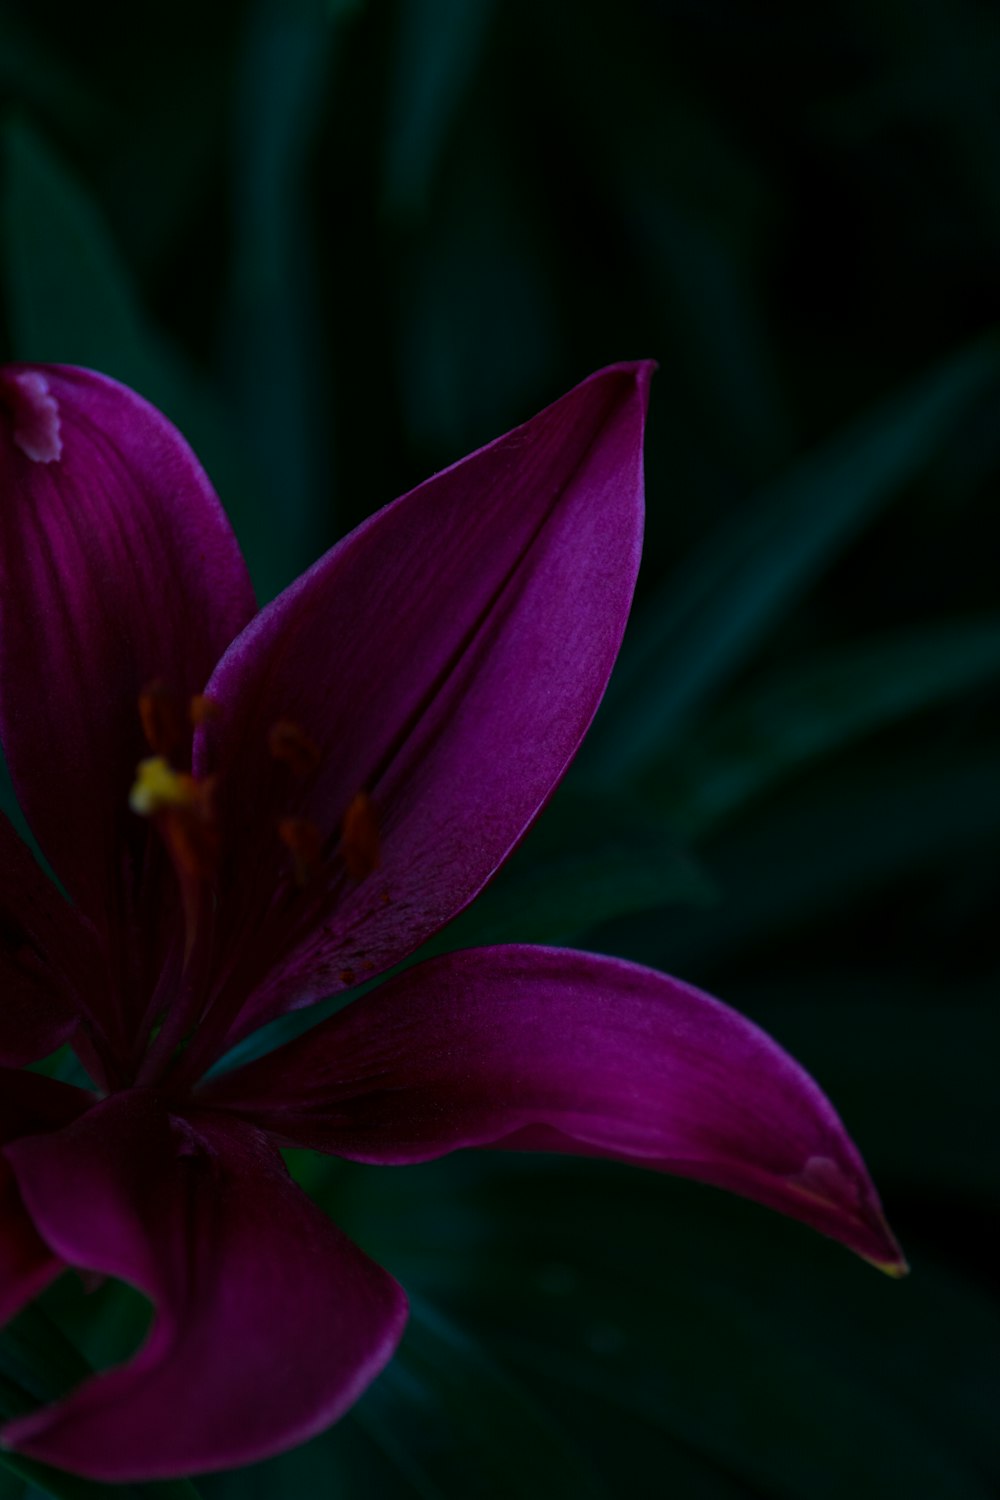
(47, 954)
(445, 661)
(27, 1265)
(541, 1049)
(28, 1102)
(117, 567)
(270, 1322)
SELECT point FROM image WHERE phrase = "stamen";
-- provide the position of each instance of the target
(202, 708)
(184, 808)
(289, 743)
(158, 787)
(162, 718)
(304, 842)
(359, 841)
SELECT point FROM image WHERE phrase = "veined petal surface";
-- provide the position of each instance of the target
(543, 1049)
(269, 1321)
(444, 660)
(48, 957)
(117, 568)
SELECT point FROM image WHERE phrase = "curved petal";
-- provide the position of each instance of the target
(446, 660)
(270, 1322)
(117, 568)
(541, 1049)
(48, 958)
(28, 1102)
(27, 1265)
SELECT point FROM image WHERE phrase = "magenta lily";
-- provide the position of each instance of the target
(250, 811)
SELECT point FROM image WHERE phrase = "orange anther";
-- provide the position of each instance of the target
(201, 709)
(162, 718)
(289, 743)
(304, 843)
(359, 841)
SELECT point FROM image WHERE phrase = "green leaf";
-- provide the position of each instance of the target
(455, 1423)
(750, 571)
(38, 1359)
(38, 1363)
(933, 1056)
(829, 841)
(442, 1420)
(702, 1329)
(272, 351)
(69, 296)
(590, 859)
(816, 707)
(62, 1486)
(71, 299)
(438, 45)
(32, 72)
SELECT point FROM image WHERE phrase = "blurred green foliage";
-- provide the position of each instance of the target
(341, 243)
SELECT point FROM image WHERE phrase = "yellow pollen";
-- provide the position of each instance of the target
(159, 787)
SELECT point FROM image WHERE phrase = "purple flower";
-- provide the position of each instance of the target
(249, 811)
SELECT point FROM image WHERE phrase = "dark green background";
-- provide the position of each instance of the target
(340, 244)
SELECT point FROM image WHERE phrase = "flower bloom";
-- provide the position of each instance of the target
(252, 810)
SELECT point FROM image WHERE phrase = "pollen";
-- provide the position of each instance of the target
(158, 788)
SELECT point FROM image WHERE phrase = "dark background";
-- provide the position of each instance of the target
(340, 244)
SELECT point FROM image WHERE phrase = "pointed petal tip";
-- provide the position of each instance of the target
(897, 1269)
(893, 1262)
(641, 372)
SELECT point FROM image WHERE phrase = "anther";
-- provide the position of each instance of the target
(289, 743)
(359, 842)
(162, 718)
(159, 787)
(201, 708)
(185, 812)
(304, 843)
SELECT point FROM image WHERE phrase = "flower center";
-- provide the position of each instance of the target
(310, 862)
(183, 806)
